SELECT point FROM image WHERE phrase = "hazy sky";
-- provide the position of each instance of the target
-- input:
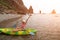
(46, 6)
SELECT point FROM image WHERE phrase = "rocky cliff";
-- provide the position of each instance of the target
(16, 5)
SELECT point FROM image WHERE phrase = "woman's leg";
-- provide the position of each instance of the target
(17, 29)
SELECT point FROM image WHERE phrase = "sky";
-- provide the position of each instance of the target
(46, 6)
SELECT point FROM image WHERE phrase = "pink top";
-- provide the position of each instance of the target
(23, 25)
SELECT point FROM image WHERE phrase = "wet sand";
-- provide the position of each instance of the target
(47, 26)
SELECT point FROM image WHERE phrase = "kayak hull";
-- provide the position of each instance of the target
(9, 31)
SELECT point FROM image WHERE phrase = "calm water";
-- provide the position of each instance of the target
(47, 26)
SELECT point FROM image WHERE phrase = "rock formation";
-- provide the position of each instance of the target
(53, 11)
(16, 5)
(40, 11)
(30, 10)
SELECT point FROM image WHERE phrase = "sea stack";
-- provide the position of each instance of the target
(53, 11)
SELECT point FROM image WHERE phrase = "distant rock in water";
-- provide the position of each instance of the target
(30, 10)
(16, 5)
(53, 11)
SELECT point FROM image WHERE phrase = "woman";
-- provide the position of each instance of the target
(21, 27)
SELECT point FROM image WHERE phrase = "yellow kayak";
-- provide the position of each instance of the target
(9, 31)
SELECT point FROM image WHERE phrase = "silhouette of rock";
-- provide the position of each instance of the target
(53, 11)
(40, 11)
(30, 10)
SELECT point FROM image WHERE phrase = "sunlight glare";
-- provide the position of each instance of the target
(46, 6)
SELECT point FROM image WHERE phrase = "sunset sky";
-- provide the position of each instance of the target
(46, 6)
